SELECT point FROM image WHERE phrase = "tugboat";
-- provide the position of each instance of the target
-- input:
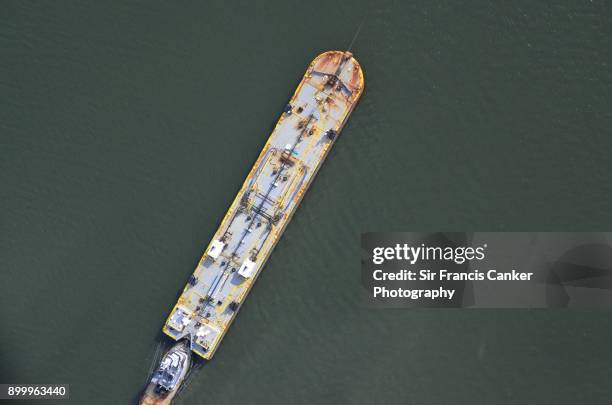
(169, 376)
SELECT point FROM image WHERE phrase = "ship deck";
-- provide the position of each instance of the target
(266, 202)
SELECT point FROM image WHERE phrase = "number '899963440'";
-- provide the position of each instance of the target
(34, 391)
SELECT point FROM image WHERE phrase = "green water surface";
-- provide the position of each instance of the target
(126, 128)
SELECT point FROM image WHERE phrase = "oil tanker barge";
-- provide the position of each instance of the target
(256, 219)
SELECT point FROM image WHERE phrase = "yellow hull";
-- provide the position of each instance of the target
(267, 200)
